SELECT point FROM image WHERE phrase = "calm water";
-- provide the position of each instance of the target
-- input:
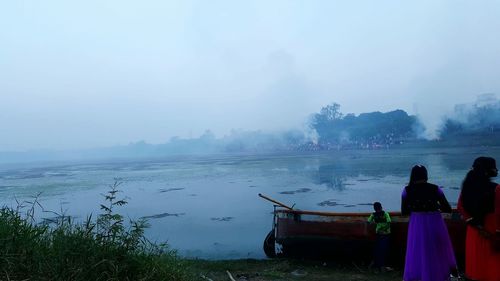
(208, 207)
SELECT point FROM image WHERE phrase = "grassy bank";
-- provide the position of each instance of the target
(102, 249)
(105, 250)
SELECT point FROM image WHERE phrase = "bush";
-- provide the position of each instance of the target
(64, 250)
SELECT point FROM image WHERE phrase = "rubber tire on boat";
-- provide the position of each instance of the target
(269, 246)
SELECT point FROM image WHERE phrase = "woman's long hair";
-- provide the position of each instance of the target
(418, 173)
(477, 188)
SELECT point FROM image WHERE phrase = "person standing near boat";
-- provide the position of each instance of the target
(479, 204)
(429, 252)
(382, 222)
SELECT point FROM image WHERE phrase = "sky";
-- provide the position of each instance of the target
(93, 73)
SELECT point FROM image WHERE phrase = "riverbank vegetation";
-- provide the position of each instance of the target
(70, 251)
(106, 248)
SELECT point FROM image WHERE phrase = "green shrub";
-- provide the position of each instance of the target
(106, 249)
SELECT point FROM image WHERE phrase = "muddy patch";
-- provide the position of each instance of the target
(365, 204)
(301, 190)
(55, 174)
(163, 215)
(29, 176)
(330, 203)
(171, 189)
(222, 219)
(365, 180)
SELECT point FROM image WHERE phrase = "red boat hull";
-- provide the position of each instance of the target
(348, 235)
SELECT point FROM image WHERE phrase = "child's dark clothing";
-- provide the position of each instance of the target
(383, 231)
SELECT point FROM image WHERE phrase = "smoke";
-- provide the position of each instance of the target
(285, 101)
(431, 121)
(480, 116)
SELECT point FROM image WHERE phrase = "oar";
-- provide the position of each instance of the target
(275, 202)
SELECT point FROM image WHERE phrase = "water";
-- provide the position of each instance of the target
(208, 207)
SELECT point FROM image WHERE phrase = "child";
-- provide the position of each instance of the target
(382, 220)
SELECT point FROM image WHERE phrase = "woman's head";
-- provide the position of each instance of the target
(477, 189)
(485, 166)
(418, 174)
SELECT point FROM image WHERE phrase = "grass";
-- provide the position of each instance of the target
(104, 249)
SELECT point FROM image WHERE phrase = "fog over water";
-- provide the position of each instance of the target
(99, 73)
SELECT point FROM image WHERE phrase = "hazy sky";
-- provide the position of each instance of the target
(77, 74)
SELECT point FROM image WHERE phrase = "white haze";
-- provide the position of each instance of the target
(78, 74)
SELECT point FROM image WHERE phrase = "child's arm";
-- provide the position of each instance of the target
(370, 218)
(387, 217)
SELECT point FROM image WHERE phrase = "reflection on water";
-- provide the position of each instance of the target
(208, 206)
(327, 176)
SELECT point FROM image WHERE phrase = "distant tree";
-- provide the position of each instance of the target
(325, 120)
(207, 136)
(451, 127)
(334, 128)
(331, 112)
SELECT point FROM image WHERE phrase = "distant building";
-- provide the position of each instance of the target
(462, 108)
(462, 111)
(486, 99)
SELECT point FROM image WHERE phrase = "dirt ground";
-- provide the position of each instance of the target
(284, 269)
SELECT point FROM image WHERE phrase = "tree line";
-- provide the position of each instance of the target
(469, 124)
(367, 129)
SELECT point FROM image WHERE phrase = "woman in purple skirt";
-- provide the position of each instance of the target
(429, 253)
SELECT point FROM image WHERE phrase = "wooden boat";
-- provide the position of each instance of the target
(298, 233)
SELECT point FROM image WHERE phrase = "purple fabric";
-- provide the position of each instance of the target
(429, 253)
